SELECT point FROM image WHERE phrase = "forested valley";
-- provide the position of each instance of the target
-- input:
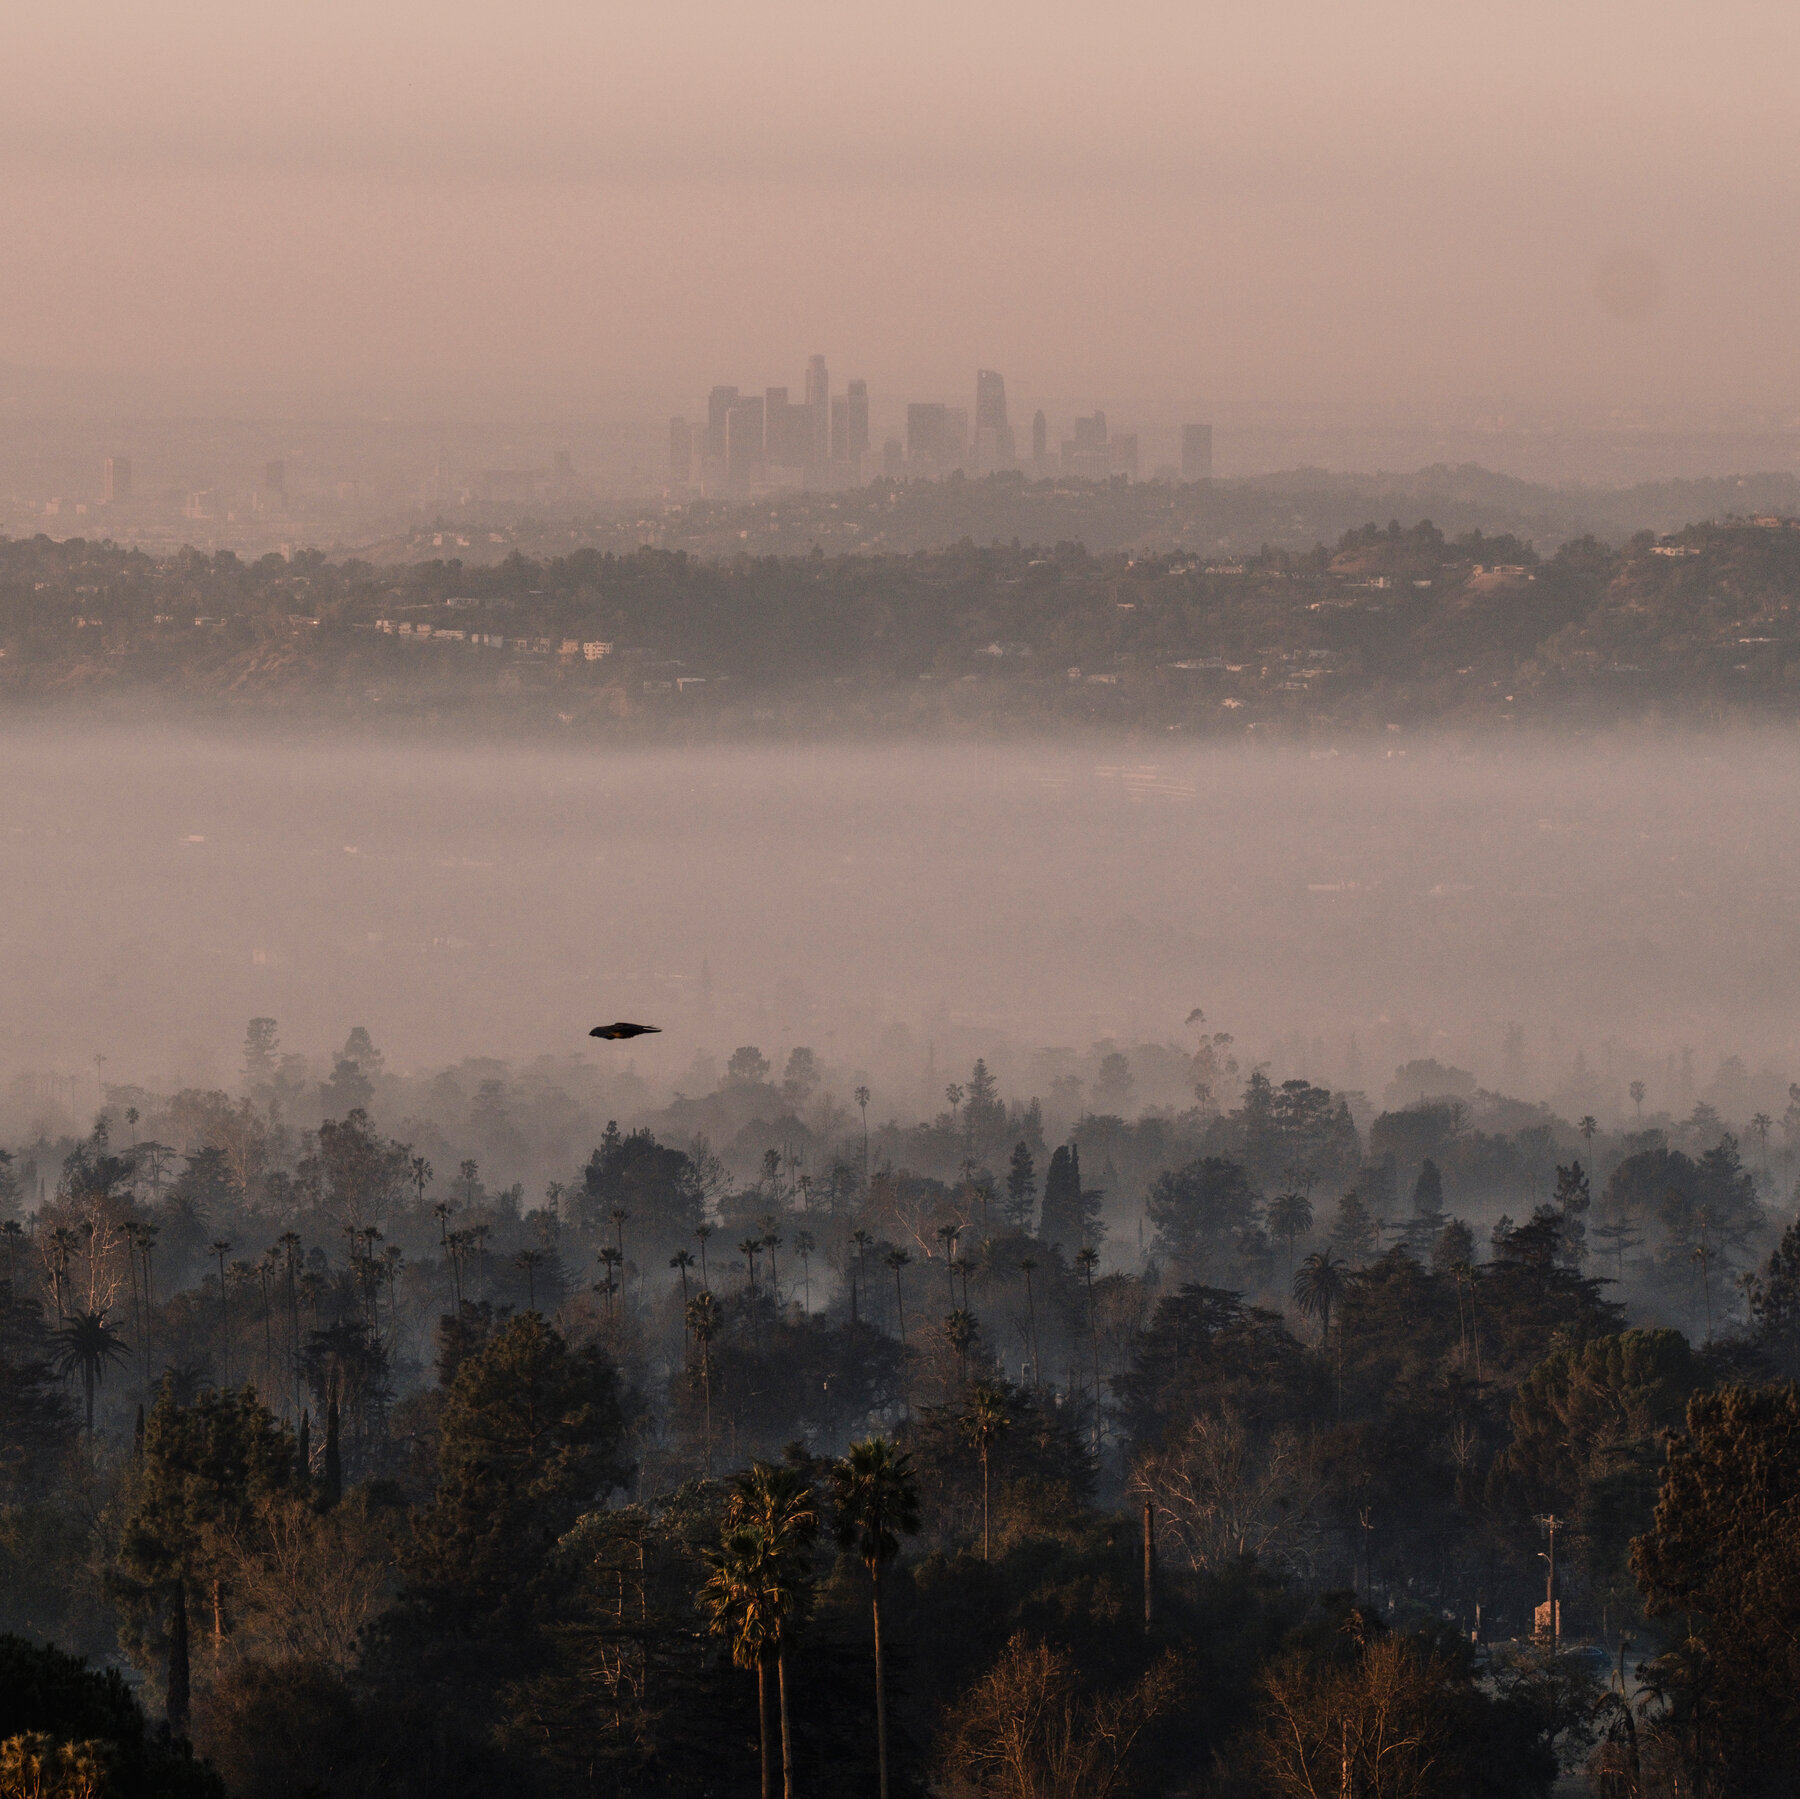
(371, 1432)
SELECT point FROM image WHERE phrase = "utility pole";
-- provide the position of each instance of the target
(1552, 1524)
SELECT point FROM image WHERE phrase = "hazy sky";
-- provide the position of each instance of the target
(1556, 205)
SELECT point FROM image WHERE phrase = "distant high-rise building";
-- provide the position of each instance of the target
(990, 415)
(274, 477)
(744, 443)
(956, 425)
(1124, 448)
(928, 436)
(850, 426)
(1196, 452)
(1089, 454)
(681, 452)
(718, 403)
(990, 400)
(1040, 441)
(818, 406)
(116, 485)
(787, 431)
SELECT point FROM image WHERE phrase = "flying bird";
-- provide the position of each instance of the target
(614, 1032)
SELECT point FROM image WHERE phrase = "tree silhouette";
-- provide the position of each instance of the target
(1087, 1261)
(1318, 1286)
(85, 1344)
(1290, 1218)
(862, 1103)
(775, 1504)
(222, 1249)
(896, 1260)
(1637, 1090)
(1028, 1267)
(703, 1320)
(875, 1500)
(985, 1421)
(740, 1604)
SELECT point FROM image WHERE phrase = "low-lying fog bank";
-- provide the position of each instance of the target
(1523, 913)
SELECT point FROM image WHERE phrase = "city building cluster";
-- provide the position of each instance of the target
(750, 441)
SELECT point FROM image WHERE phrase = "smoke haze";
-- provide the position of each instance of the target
(1396, 205)
(898, 909)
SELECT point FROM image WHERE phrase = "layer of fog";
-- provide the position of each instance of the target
(901, 911)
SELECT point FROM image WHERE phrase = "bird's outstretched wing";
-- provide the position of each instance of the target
(614, 1032)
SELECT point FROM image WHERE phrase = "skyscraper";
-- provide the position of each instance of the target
(1196, 452)
(787, 431)
(1040, 442)
(927, 436)
(990, 415)
(744, 443)
(818, 402)
(1089, 454)
(116, 490)
(719, 402)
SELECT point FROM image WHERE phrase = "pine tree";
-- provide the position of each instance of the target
(1021, 1188)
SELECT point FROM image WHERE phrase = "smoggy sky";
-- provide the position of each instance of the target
(1557, 206)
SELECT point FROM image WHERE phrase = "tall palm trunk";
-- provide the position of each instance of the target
(880, 1684)
(787, 1742)
(762, 1719)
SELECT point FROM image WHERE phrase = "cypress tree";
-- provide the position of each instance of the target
(1059, 1221)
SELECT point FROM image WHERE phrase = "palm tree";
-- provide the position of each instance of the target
(701, 1233)
(1637, 1090)
(1318, 1286)
(84, 1345)
(703, 1320)
(861, 1239)
(1588, 1126)
(529, 1261)
(681, 1261)
(611, 1259)
(984, 1422)
(803, 1248)
(1760, 1126)
(750, 1249)
(862, 1097)
(947, 1235)
(896, 1260)
(777, 1504)
(875, 1497)
(771, 1243)
(960, 1328)
(1290, 1218)
(738, 1599)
